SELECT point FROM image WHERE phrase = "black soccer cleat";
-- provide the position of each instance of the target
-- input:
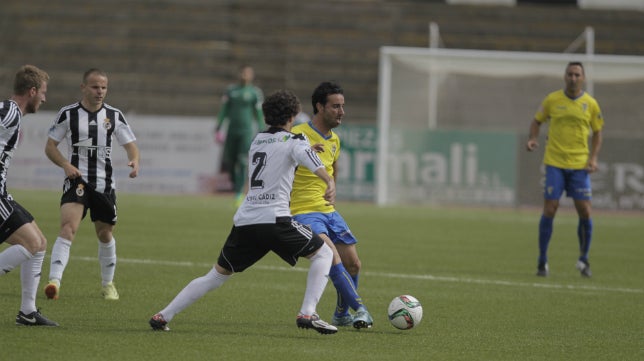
(34, 319)
(158, 323)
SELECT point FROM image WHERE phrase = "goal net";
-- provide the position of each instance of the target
(451, 121)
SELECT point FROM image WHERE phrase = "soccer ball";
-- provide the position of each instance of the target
(405, 312)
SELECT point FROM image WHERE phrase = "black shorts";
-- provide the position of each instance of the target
(246, 245)
(102, 206)
(12, 217)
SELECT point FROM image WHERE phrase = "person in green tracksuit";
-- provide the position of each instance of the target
(241, 107)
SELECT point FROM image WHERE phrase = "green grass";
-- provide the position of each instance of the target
(472, 269)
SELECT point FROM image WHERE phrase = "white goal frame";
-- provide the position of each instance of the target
(436, 61)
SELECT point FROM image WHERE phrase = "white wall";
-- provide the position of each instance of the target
(178, 155)
(612, 4)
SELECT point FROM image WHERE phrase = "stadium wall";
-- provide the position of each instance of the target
(175, 57)
(448, 166)
(169, 60)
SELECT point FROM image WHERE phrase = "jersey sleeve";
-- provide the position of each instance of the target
(542, 114)
(304, 155)
(60, 126)
(123, 133)
(596, 119)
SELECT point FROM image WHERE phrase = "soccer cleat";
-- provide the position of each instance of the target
(542, 269)
(109, 292)
(51, 289)
(362, 319)
(584, 268)
(34, 319)
(313, 321)
(158, 323)
(346, 320)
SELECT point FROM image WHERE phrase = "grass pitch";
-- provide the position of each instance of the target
(472, 269)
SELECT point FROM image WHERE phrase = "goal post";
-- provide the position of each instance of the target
(478, 100)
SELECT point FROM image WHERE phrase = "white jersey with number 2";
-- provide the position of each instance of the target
(272, 159)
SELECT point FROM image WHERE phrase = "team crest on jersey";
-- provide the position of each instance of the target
(107, 124)
(584, 106)
(80, 190)
(334, 148)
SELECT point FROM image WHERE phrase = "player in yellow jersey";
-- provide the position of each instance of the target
(328, 111)
(572, 114)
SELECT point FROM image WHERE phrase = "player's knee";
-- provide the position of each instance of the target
(324, 253)
(353, 266)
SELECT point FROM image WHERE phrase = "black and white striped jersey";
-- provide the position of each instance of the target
(272, 159)
(10, 115)
(89, 141)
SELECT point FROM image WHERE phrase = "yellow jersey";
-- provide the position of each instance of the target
(570, 122)
(308, 189)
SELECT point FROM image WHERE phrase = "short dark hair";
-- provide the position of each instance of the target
(91, 71)
(280, 107)
(322, 91)
(576, 63)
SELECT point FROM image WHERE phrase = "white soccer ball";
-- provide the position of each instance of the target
(405, 312)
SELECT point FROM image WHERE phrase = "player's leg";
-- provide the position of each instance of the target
(107, 259)
(193, 291)
(581, 195)
(228, 158)
(240, 176)
(236, 255)
(26, 237)
(316, 279)
(315, 283)
(347, 295)
(72, 211)
(553, 189)
(291, 240)
(349, 256)
(103, 214)
(345, 243)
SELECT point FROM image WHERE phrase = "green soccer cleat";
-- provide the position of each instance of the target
(109, 292)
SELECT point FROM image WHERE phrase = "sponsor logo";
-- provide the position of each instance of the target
(80, 190)
(28, 320)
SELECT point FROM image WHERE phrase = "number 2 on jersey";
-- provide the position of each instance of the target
(259, 162)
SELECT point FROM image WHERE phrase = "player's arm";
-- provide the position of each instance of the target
(259, 116)
(329, 193)
(54, 154)
(532, 143)
(334, 166)
(596, 144)
(132, 151)
(221, 116)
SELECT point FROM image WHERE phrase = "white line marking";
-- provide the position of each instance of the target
(392, 275)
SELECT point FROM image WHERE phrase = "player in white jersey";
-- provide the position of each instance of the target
(27, 244)
(263, 222)
(89, 128)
